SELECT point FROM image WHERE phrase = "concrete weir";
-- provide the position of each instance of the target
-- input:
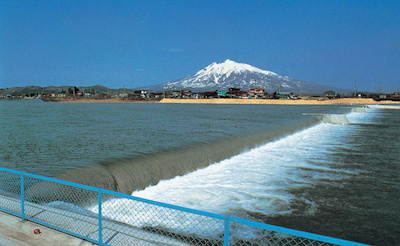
(357, 109)
(332, 118)
(338, 118)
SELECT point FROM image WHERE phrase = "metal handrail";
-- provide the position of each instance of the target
(101, 192)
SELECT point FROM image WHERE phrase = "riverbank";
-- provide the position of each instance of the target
(339, 101)
(110, 100)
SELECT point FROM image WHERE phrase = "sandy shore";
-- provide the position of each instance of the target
(340, 101)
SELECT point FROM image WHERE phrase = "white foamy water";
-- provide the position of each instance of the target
(381, 106)
(262, 180)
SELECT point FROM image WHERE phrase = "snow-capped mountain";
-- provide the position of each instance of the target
(221, 76)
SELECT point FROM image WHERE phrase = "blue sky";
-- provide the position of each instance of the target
(137, 43)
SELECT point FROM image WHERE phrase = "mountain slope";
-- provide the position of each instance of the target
(221, 76)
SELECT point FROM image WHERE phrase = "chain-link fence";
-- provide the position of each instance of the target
(110, 218)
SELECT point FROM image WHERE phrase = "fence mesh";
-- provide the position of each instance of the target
(247, 235)
(166, 225)
(10, 188)
(62, 206)
(110, 218)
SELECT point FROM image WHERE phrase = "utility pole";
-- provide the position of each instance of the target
(355, 88)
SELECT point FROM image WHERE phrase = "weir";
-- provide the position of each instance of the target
(357, 109)
(129, 174)
(332, 118)
(383, 106)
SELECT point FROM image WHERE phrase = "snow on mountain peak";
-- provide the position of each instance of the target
(228, 66)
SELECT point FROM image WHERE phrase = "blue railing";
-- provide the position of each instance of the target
(120, 219)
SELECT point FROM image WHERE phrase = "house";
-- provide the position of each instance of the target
(331, 94)
(176, 94)
(186, 94)
(144, 94)
(393, 97)
(396, 96)
(158, 95)
(140, 94)
(237, 93)
(284, 95)
(234, 90)
(210, 94)
(197, 95)
(257, 92)
(223, 94)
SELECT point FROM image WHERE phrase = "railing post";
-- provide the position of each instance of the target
(100, 216)
(226, 231)
(22, 178)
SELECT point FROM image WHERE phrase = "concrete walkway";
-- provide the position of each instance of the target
(14, 231)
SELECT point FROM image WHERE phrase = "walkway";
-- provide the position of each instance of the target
(14, 231)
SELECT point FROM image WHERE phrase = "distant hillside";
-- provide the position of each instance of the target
(37, 90)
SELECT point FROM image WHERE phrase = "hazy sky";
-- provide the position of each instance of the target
(136, 43)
